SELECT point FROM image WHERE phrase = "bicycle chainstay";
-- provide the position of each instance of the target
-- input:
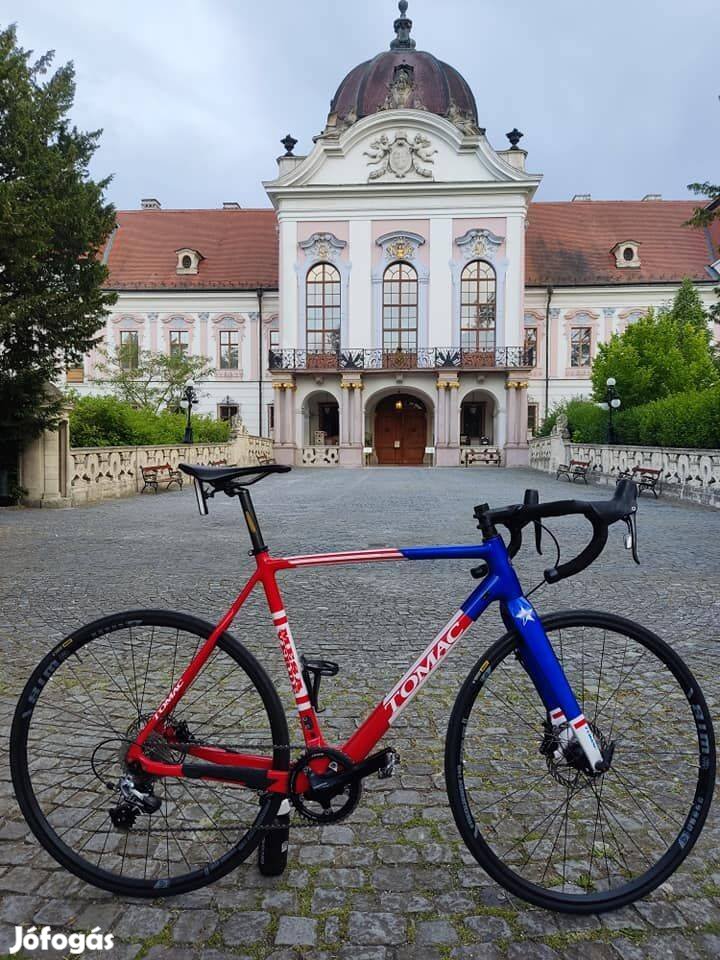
(303, 824)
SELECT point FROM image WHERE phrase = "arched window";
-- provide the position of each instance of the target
(400, 308)
(322, 316)
(477, 307)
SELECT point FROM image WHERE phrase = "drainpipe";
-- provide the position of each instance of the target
(261, 360)
(549, 291)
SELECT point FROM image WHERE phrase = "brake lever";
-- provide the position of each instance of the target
(631, 535)
(532, 499)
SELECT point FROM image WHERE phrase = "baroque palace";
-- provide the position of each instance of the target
(404, 300)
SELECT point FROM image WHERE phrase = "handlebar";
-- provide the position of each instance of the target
(601, 514)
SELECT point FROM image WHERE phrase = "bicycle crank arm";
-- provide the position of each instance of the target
(329, 785)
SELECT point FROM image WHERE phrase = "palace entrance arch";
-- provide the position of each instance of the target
(400, 430)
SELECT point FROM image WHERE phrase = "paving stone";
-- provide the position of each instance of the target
(300, 931)
(661, 915)
(280, 900)
(376, 928)
(435, 931)
(17, 909)
(139, 923)
(488, 928)
(363, 953)
(476, 951)
(531, 951)
(328, 899)
(194, 926)
(337, 833)
(245, 928)
(58, 913)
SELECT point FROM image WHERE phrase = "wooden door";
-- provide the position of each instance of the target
(400, 431)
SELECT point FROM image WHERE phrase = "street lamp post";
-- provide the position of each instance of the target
(190, 397)
(611, 403)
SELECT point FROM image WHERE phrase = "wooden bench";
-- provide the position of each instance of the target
(647, 478)
(575, 470)
(154, 476)
(489, 456)
(264, 458)
(217, 463)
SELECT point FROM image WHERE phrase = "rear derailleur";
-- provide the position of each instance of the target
(133, 802)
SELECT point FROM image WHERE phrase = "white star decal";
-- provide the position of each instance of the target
(525, 615)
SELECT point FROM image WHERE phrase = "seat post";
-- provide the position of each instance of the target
(251, 519)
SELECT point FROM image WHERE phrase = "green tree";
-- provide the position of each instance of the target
(53, 223)
(664, 353)
(703, 216)
(151, 380)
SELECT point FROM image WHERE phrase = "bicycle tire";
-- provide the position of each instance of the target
(479, 839)
(32, 697)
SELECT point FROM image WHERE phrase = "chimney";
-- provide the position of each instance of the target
(231, 205)
(149, 203)
(652, 196)
(581, 196)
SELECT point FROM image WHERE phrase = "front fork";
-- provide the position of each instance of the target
(544, 669)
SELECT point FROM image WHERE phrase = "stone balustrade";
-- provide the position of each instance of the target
(685, 473)
(55, 474)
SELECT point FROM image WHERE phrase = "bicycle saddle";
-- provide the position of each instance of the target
(219, 476)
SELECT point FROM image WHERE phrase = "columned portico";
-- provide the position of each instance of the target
(516, 446)
(447, 427)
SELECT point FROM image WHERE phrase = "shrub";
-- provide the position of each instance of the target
(109, 422)
(587, 423)
(683, 420)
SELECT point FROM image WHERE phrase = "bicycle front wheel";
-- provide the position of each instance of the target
(529, 812)
(85, 704)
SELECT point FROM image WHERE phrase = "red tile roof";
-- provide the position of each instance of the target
(571, 243)
(567, 244)
(239, 249)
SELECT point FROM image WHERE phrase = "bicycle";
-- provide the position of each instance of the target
(150, 753)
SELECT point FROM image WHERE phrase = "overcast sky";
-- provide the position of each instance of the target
(616, 98)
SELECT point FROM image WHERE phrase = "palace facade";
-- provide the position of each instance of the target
(405, 300)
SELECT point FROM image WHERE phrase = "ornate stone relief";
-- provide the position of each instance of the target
(401, 90)
(479, 243)
(463, 121)
(400, 249)
(400, 156)
(322, 246)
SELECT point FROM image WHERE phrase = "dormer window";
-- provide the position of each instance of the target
(627, 254)
(188, 260)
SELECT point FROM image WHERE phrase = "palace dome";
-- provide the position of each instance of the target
(403, 77)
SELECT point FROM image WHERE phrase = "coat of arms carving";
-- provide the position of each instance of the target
(400, 156)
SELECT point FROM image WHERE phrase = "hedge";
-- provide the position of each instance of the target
(109, 422)
(682, 420)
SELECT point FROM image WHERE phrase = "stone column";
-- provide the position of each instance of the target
(284, 441)
(516, 447)
(447, 439)
(351, 432)
(44, 466)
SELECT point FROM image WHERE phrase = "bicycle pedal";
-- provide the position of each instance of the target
(313, 670)
(391, 762)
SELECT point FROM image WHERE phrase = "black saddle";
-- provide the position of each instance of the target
(220, 477)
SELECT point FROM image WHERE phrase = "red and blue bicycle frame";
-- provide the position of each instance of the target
(500, 584)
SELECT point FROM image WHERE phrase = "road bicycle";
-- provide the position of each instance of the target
(150, 751)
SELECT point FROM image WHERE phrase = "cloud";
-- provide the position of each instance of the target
(615, 99)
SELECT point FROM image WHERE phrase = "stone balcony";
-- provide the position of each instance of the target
(376, 359)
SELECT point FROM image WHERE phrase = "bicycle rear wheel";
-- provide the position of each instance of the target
(542, 826)
(79, 712)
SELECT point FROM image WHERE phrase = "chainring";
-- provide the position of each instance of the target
(331, 808)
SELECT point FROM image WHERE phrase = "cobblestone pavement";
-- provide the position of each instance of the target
(394, 881)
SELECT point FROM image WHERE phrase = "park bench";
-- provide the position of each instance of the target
(647, 478)
(264, 458)
(489, 456)
(154, 476)
(575, 470)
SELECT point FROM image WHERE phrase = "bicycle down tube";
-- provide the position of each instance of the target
(501, 584)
